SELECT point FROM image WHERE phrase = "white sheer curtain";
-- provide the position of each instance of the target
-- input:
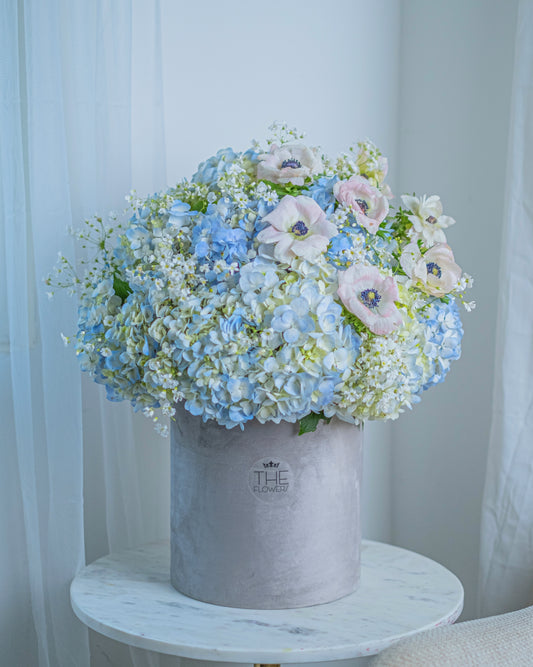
(506, 564)
(70, 112)
(43, 489)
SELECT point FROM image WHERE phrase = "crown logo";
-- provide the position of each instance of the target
(271, 464)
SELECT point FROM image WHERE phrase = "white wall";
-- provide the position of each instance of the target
(456, 72)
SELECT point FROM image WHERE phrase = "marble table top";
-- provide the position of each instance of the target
(128, 596)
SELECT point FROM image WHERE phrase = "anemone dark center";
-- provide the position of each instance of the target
(292, 163)
(370, 297)
(431, 219)
(434, 269)
(299, 228)
(362, 205)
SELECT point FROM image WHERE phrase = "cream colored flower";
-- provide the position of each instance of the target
(427, 217)
(434, 272)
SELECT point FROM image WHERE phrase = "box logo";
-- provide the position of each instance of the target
(270, 479)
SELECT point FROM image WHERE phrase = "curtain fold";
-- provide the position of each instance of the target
(506, 555)
(43, 378)
(77, 123)
(18, 330)
(111, 88)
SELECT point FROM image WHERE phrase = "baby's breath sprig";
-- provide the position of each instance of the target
(281, 133)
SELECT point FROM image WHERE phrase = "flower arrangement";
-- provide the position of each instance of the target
(276, 284)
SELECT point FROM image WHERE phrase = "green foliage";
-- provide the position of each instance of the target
(198, 204)
(282, 189)
(309, 423)
(401, 224)
(396, 267)
(121, 287)
(355, 322)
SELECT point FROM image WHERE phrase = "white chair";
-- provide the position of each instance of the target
(496, 641)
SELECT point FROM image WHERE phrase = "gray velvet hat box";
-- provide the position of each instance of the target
(262, 518)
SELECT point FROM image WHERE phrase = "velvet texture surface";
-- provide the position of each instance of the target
(263, 518)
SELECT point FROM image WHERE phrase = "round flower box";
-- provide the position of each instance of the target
(263, 518)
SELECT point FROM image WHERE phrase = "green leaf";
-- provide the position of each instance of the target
(282, 189)
(199, 205)
(401, 224)
(121, 287)
(309, 423)
(355, 322)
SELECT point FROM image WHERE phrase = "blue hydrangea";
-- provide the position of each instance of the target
(293, 321)
(337, 248)
(322, 193)
(214, 237)
(186, 305)
(179, 215)
(209, 171)
(443, 333)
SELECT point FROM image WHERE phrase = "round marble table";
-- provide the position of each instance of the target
(128, 596)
